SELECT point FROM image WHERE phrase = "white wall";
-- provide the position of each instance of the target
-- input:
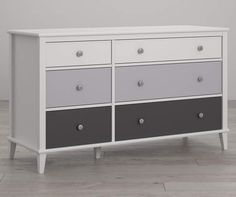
(89, 13)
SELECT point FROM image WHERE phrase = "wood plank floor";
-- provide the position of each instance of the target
(193, 168)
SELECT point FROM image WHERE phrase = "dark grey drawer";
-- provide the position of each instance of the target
(78, 127)
(78, 87)
(168, 118)
(172, 80)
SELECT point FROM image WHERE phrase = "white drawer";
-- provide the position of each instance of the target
(78, 53)
(145, 50)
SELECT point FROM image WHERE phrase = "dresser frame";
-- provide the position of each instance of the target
(27, 62)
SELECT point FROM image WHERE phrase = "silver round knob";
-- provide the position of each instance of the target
(201, 115)
(140, 51)
(79, 53)
(200, 79)
(80, 127)
(200, 48)
(141, 121)
(140, 83)
(79, 87)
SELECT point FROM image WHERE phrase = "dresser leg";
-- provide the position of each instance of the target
(41, 161)
(185, 139)
(12, 150)
(224, 140)
(98, 152)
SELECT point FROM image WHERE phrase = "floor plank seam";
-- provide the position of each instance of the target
(164, 187)
(3, 176)
(197, 162)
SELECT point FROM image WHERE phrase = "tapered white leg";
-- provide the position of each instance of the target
(41, 161)
(98, 152)
(224, 140)
(12, 150)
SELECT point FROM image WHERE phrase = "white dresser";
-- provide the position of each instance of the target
(94, 87)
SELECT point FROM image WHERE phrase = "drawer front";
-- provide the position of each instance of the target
(78, 87)
(168, 118)
(128, 51)
(78, 127)
(78, 53)
(173, 80)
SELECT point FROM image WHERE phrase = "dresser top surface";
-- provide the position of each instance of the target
(116, 30)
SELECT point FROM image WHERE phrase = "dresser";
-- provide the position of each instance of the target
(94, 87)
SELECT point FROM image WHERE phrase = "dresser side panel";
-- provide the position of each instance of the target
(25, 90)
(225, 80)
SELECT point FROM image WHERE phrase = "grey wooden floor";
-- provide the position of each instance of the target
(193, 168)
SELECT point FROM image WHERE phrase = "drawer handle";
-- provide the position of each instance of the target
(79, 53)
(200, 79)
(79, 87)
(140, 51)
(140, 83)
(79, 127)
(141, 121)
(200, 48)
(201, 115)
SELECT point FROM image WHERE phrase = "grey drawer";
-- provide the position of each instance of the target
(168, 118)
(172, 80)
(78, 87)
(78, 127)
